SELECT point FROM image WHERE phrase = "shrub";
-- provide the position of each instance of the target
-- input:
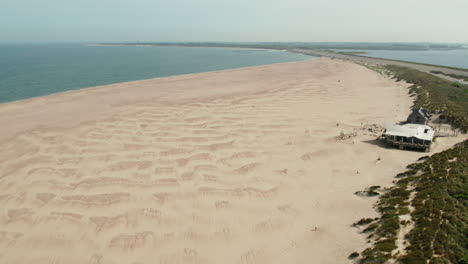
(463, 260)
(363, 221)
(353, 255)
(440, 212)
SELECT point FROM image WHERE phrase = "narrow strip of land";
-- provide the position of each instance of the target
(362, 59)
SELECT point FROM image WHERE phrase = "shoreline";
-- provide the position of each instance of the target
(8, 106)
(312, 53)
(154, 78)
(168, 163)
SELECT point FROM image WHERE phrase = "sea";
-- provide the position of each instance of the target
(28, 71)
(452, 58)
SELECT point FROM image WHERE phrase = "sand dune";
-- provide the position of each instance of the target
(237, 166)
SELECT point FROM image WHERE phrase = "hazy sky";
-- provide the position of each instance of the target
(233, 20)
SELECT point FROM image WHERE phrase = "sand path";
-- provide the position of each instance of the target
(240, 169)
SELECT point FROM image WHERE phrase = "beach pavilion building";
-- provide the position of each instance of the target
(415, 136)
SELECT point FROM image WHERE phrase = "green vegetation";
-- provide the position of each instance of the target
(436, 94)
(456, 76)
(353, 255)
(369, 192)
(441, 212)
(364, 221)
(440, 215)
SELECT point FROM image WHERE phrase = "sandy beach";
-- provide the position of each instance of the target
(239, 166)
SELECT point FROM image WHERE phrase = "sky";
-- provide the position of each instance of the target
(24, 21)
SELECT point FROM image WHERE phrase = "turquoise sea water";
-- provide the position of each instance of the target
(33, 70)
(452, 58)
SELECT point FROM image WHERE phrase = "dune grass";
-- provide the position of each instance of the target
(437, 95)
(440, 216)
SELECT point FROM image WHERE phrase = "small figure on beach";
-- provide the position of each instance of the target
(378, 158)
(315, 229)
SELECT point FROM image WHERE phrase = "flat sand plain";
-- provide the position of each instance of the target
(239, 166)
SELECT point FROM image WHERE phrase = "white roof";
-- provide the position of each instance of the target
(411, 130)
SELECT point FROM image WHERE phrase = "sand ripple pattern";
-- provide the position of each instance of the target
(228, 180)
